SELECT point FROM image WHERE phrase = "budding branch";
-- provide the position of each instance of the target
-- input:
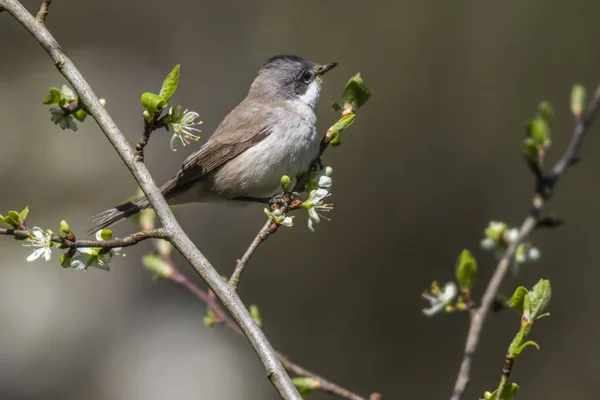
(545, 184)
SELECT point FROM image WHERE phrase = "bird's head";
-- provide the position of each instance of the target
(289, 78)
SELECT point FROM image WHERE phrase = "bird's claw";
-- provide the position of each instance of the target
(286, 201)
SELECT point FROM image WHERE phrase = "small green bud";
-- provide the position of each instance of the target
(176, 112)
(64, 228)
(306, 385)
(211, 318)
(466, 269)
(65, 260)
(256, 315)
(156, 264)
(53, 96)
(578, 98)
(80, 115)
(106, 234)
(285, 183)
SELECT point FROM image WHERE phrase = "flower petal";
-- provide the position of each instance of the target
(36, 254)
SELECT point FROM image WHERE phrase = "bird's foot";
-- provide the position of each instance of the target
(286, 202)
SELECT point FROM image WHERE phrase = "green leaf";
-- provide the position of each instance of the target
(23, 213)
(15, 217)
(335, 138)
(356, 92)
(106, 234)
(466, 269)
(53, 96)
(542, 316)
(514, 348)
(80, 115)
(170, 83)
(509, 393)
(9, 221)
(540, 297)
(343, 123)
(336, 107)
(578, 98)
(527, 306)
(518, 298)
(153, 102)
(519, 349)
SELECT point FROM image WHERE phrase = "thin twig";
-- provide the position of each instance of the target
(149, 127)
(544, 188)
(43, 13)
(72, 243)
(266, 231)
(506, 369)
(226, 294)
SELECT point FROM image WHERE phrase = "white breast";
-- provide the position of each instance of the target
(289, 149)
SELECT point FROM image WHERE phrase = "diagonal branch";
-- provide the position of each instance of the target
(222, 317)
(225, 292)
(545, 185)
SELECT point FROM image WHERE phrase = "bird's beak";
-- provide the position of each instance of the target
(321, 69)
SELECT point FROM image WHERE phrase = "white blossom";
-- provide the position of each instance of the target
(41, 239)
(439, 299)
(184, 128)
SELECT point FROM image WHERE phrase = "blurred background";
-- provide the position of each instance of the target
(431, 159)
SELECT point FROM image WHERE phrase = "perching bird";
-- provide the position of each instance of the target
(271, 133)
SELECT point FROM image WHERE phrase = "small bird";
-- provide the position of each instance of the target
(271, 133)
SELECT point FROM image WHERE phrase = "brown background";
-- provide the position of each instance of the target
(431, 159)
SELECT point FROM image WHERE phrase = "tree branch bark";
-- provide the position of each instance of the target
(68, 243)
(225, 292)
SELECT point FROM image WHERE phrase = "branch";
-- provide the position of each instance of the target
(225, 292)
(222, 317)
(506, 369)
(149, 127)
(266, 231)
(43, 13)
(543, 191)
(72, 243)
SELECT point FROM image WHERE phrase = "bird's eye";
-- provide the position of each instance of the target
(307, 76)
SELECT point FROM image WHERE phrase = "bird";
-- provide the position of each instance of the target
(270, 133)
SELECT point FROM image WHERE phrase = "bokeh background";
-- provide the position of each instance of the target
(431, 159)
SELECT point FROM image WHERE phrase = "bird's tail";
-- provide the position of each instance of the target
(119, 213)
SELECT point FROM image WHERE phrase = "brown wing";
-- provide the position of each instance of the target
(245, 126)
